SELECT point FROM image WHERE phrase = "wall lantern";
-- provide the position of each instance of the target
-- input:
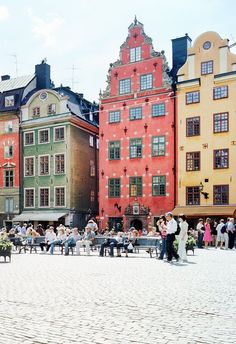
(102, 173)
(125, 170)
(205, 194)
(102, 134)
(146, 169)
(125, 130)
(145, 127)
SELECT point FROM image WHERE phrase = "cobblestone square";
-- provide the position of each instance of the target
(56, 299)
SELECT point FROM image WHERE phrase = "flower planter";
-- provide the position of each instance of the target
(5, 254)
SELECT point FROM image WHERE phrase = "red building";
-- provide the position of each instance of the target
(137, 136)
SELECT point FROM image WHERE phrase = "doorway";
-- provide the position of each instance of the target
(137, 224)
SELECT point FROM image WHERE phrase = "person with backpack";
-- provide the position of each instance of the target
(220, 229)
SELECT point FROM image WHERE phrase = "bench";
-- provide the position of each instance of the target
(148, 244)
(35, 243)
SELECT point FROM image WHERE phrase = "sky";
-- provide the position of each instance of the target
(80, 38)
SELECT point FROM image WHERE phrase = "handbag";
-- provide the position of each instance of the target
(130, 246)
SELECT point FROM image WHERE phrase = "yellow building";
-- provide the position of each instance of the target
(206, 129)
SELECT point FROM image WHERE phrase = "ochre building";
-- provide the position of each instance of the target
(206, 130)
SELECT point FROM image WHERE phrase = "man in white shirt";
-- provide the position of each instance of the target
(170, 238)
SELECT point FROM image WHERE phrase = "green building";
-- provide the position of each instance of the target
(59, 147)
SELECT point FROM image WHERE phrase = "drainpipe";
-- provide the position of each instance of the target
(175, 144)
(19, 116)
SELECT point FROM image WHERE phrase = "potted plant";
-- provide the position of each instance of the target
(5, 248)
(190, 244)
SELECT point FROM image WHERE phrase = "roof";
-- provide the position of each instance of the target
(15, 83)
(205, 211)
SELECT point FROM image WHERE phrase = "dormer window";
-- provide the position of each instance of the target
(9, 101)
(135, 54)
(36, 111)
(51, 109)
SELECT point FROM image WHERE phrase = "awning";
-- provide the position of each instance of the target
(205, 211)
(36, 216)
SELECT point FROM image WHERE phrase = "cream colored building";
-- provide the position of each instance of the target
(206, 129)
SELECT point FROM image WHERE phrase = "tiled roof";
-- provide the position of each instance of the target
(15, 83)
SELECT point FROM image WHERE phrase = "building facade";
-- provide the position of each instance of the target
(59, 161)
(136, 179)
(206, 127)
(12, 90)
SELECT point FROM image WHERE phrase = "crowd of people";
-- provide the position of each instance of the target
(171, 236)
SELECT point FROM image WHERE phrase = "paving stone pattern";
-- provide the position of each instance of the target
(91, 300)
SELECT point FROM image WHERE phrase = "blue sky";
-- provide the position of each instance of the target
(88, 33)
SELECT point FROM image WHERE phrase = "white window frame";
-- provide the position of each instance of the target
(9, 126)
(44, 175)
(135, 59)
(27, 157)
(91, 141)
(44, 143)
(54, 133)
(54, 164)
(29, 132)
(10, 99)
(25, 198)
(7, 211)
(44, 206)
(54, 201)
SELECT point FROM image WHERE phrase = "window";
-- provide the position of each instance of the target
(59, 163)
(59, 134)
(135, 186)
(145, 82)
(193, 195)
(158, 146)
(29, 198)
(220, 92)
(135, 54)
(221, 194)
(9, 178)
(9, 101)
(114, 116)
(44, 197)
(158, 110)
(36, 111)
(44, 165)
(29, 138)
(135, 113)
(91, 141)
(193, 126)
(114, 187)
(29, 167)
(221, 158)
(51, 109)
(135, 148)
(60, 197)
(92, 196)
(8, 152)
(9, 205)
(125, 86)
(92, 169)
(114, 150)
(207, 67)
(192, 97)
(9, 127)
(44, 136)
(159, 185)
(193, 161)
(221, 122)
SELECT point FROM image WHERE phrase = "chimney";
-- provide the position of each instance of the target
(42, 72)
(5, 77)
(180, 48)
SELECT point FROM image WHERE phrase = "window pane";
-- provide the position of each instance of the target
(145, 82)
(159, 186)
(193, 195)
(158, 146)
(207, 67)
(135, 54)
(125, 86)
(221, 122)
(158, 110)
(135, 148)
(135, 113)
(135, 186)
(114, 187)
(192, 97)
(220, 92)
(114, 116)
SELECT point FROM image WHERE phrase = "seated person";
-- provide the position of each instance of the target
(71, 240)
(131, 240)
(61, 237)
(49, 237)
(87, 240)
(107, 242)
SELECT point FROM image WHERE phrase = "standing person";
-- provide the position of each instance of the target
(213, 232)
(182, 239)
(162, 226)
(230, 230)
(220, 236)
(170, 238)
(207, 235)
(200, 231)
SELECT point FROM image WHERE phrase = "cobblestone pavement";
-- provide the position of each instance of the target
(58, 299)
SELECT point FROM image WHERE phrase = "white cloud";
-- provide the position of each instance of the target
(4, 13)
(47, 30)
